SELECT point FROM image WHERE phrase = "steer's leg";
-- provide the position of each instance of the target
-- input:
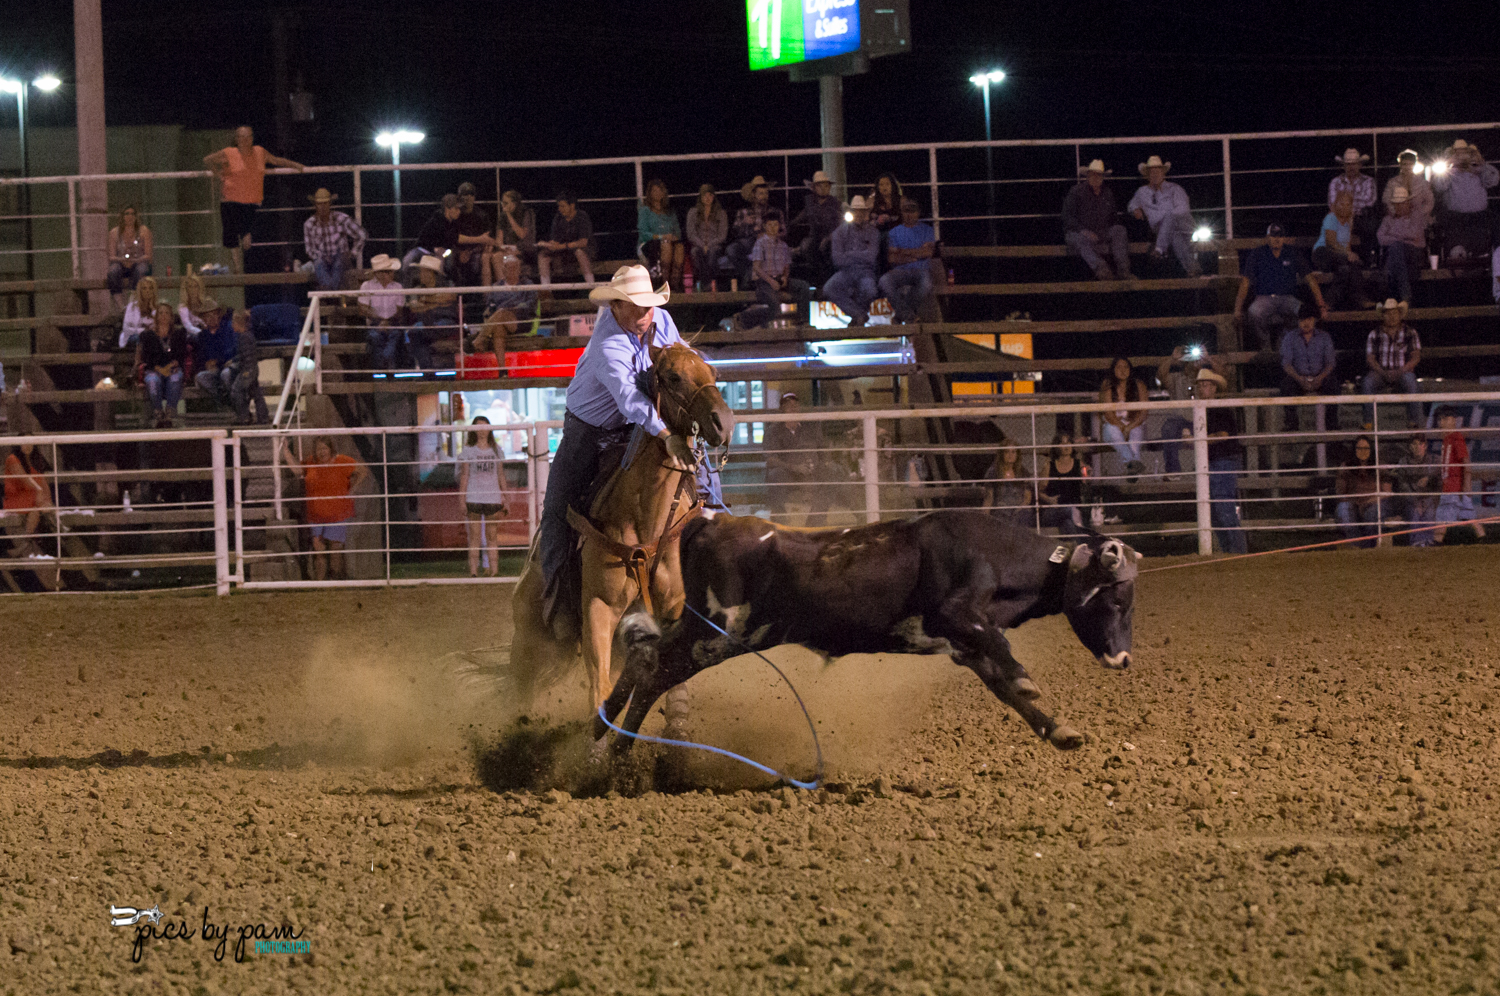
(997, 679)
(963, 621)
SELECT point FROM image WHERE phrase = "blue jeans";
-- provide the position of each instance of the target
(1176, 233)
(1267, 310)
(1114, 240)
(852, 290)
(329, 274)
(1127, 449)
(907, 287)
(1224, 492)
(573, 467)
(244, 388)
(164, 392)
(1358, 521)
(420, 336)
(120, 276)
(1171, 442)
(1419, 510)
(382, 342)
(1403, 262)
(1406, 383)
(215, 383)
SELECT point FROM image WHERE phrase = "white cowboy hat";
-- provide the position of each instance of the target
(820, 177)
(1461, 146)
(433, 263)
(1408, 152)
(1390, 303)
(858, 203)
(322, 196)
(1399, 194)
(632, 283)
(1097, 166)
(381, 261)
(1351, 155)
(1207, 374)
(1153, 161)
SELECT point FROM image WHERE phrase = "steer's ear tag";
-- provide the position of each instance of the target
(1059, 555)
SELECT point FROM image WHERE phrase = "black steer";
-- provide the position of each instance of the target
(944, 582)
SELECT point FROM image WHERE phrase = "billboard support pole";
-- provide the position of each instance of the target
(831, 106)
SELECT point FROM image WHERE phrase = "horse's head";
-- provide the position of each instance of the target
(688, 397)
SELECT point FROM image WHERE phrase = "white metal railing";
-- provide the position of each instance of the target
(1219, 188)
(230, 517)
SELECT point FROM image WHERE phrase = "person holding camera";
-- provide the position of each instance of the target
(1463, 193)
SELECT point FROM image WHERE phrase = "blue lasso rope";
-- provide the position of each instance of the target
(809, 786)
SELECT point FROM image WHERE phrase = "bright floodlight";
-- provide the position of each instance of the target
(1440, 167)
(386, 138)
(10, 86)
(848, 215)
(984, 79)
(1203, 234)
(46, 83)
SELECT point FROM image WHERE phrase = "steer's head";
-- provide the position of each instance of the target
(1099, 597)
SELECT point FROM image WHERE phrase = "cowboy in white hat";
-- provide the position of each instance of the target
(1392, 352)
(822, 214)
(381, 311)
(1164, 206)
(334, 241)
(431, 315)
(856, 253)
(1091, 221)
(1361, 188)
(1464, 192)
(1403, 233)
(605, 396)
(1226, 458)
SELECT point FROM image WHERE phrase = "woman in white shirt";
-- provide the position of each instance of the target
(190, 304)
(140, 313)
(480, 481)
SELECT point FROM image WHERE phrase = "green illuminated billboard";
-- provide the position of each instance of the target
(786, 32)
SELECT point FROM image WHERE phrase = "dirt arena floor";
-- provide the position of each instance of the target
(1292, 791)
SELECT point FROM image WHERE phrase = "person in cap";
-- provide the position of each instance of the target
(1177, 375)
(1403, 233)
(1464, 207)
(658, 238)
(1091, 223)
(382, 312)
(1269, 280)
(570, 243)
(822, 214)
(474, 238)
(1361, 190)
(792, 451)
(1226, 458)
(749, 222)
(909, 248)
(1392, 351)
(241, 171)
(1163, 205)
(605, 396)
(856, 254)
(214, 351)
(438, 237)
(431, 314)
(1409, 175)
(707, 231)
(333, 240)
(1334, 253)
(1307, 364)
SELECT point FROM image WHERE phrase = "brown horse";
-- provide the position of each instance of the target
(635, 523)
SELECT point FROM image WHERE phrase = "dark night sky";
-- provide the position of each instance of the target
(491, 80)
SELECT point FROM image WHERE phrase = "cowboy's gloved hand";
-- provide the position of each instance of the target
(679, 456)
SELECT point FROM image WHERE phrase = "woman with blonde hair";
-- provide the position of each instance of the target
(129, 253)
(190, 298)
(140, 312)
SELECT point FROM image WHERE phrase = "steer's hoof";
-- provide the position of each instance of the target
(599, 752)
(1066, 738)
(1026, 688)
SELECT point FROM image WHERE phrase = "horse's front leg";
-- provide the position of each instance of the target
(669, 599)
(606, 594)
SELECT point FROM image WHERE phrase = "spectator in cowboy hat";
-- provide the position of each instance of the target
(1403, 232)
(431, 314)
(707, 230)
(1091, 221)
(1361, 189)
(1273, 271)
(571, 241)
(334, 241)
(821, 213)
(1464, 214)
(1226, 458)
(1392, 352)
(1417, 188)
(214, 351)
(1164, 206)
(749, 222)
(382, 312)
(856, 253)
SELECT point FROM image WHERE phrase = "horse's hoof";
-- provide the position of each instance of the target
(1025, 688)
(1066, 738)
(599, 752)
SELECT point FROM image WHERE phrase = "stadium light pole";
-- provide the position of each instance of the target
(47, 83)
(394, 140)
(984, 81)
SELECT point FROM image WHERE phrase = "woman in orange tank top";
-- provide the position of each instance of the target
(241, 169)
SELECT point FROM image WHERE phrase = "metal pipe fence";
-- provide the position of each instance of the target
(175, 509)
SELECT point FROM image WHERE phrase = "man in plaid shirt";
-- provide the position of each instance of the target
(1392, 353)
(332, 240)
(1360, 186)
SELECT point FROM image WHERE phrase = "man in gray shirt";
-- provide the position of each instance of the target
(856, 249)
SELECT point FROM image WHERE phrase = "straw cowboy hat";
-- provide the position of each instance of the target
(433, 263)
(1351, 155)
(323, 196)
(858, 203)
(205, 305)
(1153, 161)
(1462, 146)
(1399, 194)
(1407, 152)
(1097, 166)
(1390, 303)
(820, 177)
(632, 283)
(381, 261)
(748, 190)
(1206, 374)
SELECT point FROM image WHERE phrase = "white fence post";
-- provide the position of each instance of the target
(317, 329)
(872, 471)
(1200, 477)
(73, 222)
(239, 514)
(221, 516)
(932, 182)
(359, 201)
(1228, 195)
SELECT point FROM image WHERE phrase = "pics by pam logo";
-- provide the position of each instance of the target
(268, 940)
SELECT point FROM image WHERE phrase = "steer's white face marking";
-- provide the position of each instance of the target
(1121, 659)
(735, 617)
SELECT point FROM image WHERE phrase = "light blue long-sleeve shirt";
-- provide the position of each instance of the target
(1464, 190)
(605, 391)
(856, 247)
(1159, 205)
